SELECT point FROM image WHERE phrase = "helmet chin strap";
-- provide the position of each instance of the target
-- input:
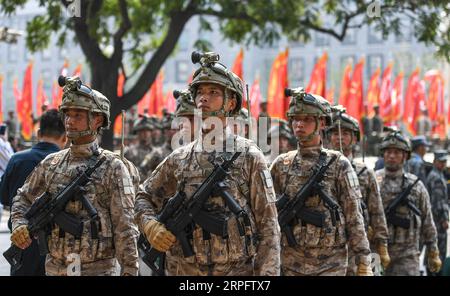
(88, 132)
(311, 136)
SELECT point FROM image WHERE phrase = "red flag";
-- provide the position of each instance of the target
(318, 79)
(26, 103)
(118, 121)
(40, 96)
(373, 92)
(277, 103)
(170, 102)
(1, 98)
(255, 98)
(345, 85)
(18, 98)
(414, 97)
(156, 95)
(435, 102)
(397, 98)
(77, 71)
(64, 71)
(330, 96)
(237, 66)
(355, 106)
(385, 94)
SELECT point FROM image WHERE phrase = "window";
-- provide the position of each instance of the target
(350, 37)
(13, 50)
(181, 71)
(296, 43)
(373, 62)
(296, 69)
(322, 39)
(47, 80)
(374, 36)
(405, 35)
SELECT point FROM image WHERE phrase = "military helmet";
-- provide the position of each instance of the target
(166, 123)
(78, 95)
(185, 103)
(144, 122)
(345, 121)
(282, 129)
(211, 71)
(396, 140)
(303, 103)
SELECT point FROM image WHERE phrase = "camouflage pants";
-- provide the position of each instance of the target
(314, 262)
(55, 267)
(178, 266)
(407, 265)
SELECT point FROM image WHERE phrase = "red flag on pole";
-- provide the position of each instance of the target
(355, 107)
(118, 120)
(397, 98)
(385, 94)
(276, 101)
(18, 98)
(330, 95)
(373, 92)
(255, 98)
(238, 64)
(435, 102)
(413, 98)
(318, 79)
(156, 95)
(40, 97)
(345, 85)
(171, 103)
(26, 103)
(77, 71)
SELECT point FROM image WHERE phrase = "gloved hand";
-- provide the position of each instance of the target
(158, 236)
(21, 237)
(384, 255)
(434, 262)
(364, 270)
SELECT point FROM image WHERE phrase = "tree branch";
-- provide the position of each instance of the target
(125, 26)
(176, 25)
(89, 46)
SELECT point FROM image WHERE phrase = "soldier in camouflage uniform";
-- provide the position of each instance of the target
(403, 242)
(437, 187)
(151, 160)
(137, 152)
(320, 250)
(217, 92)
(286, 139)
(343, 136)
(111, 190)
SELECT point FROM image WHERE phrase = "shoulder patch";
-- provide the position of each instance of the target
(352, 179)
(265, 175)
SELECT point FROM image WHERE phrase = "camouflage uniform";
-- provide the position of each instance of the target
(404, 243)
(249, 183)
(371, 204)
(437, 187)
(111, 191)
(153, 159)
(321, 251)
(257, 251)
(137, 152)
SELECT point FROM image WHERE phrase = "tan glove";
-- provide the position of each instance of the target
(384, 255)
(21, 237)
(364, 270)
(158, 236)
(434, 262)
